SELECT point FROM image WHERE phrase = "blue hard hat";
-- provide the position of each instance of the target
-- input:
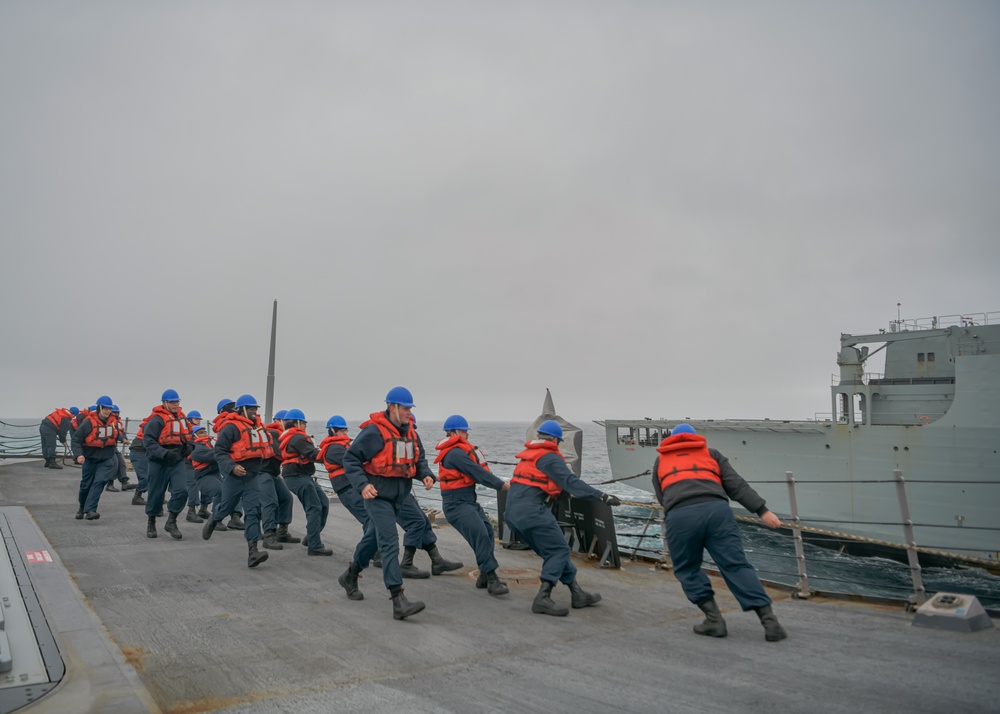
(280, 414)
(74, 411)
(198, 428)
(456, 421)
(551, 428)
(115, 409)
(170, 395)
(400, 396)
(223, 403)
(103, 401)
(336, 422)
(683, 429)
(93, 407)
(294, 415)
(194, 414)
(246, 400)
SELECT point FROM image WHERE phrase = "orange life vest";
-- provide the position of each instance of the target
(220, 421)
(202, 465)
(684, 456)
(333, 470)
(399, 455)
(78, 419)
(101, 434)
(453, 478)
(56, 417)
(293, 457)
(254, 441)
(175, 431)
(527, 472)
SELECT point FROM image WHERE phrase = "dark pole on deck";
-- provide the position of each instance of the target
(269, 397)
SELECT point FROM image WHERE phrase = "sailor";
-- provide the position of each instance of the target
(167, 438)
(56, 425)
(694, 483)
(225, 407)
(381, 464)
(460, 467)
(206, 470)
(121, 472)
(241, 448)
(541, 476)
(298, 464)
(94, 446)
(79, 416)
(140, 464)
(193, 499)
(275, 498)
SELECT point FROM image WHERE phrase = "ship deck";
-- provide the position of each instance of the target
(181, 627)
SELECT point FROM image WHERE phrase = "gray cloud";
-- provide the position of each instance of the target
(652, 209)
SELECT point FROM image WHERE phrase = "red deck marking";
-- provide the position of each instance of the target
(38, 556)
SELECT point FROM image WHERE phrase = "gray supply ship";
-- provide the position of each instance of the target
(934, 415)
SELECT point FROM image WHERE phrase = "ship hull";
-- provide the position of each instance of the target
(844, 476)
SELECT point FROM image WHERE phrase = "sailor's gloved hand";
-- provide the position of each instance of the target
(610, 499)
(172, 457)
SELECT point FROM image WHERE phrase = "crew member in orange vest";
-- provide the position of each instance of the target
(57, 425)
(298, 464)
(540, 476)
(694, 484)
(460, 467)
(275, 498)
(167, 438)
(241, 448)
(94, 446)
(381, 464)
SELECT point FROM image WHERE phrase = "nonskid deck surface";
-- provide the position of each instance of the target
(204, 633)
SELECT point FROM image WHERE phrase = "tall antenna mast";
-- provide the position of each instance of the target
(269, 398)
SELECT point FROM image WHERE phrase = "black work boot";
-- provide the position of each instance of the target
(236, 523)
(349, 581)
(270, 543)
(482, 580)
(92, 515)
(438, 563)
(773, 631)
(203, 511)
(403, 608)
(543, 603)
(407, 567)
(137, 499)
(323, 550)
(110, 486)
(151, 527)
(128, 485)
(55, 463)
(494, 585)
(255, 557)
(714, 625)
(171, 526)
(210, 527)
(581, 598)
(283, 536)
(377, 560)
(192, 517)
(47, 462)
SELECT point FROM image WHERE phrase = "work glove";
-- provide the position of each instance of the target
(610, 499)
(172, 457)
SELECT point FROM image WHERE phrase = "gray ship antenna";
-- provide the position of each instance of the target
(269, 397)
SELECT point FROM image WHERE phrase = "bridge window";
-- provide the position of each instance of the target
(920, 356)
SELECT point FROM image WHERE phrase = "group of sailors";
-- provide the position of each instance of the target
(252, 469)
(249, 471)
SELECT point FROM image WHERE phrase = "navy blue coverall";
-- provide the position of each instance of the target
(99, 466)
(463, 512)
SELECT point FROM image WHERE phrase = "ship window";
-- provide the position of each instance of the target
(930, 356)
(920, 356)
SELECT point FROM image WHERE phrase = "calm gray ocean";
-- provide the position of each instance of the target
(771, 553)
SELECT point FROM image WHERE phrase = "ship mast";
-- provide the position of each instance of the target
(269, 397)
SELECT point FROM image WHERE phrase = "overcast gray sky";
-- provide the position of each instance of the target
(660, 209)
